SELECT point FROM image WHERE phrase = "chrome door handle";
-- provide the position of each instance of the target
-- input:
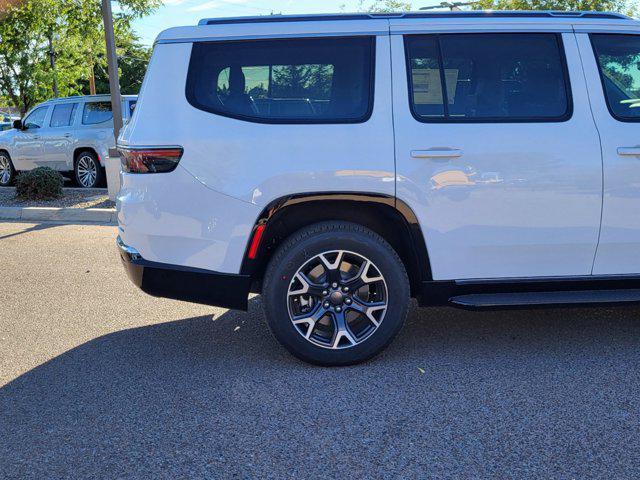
(437, 153)
(629, 151)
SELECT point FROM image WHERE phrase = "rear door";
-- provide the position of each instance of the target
(58, 138)
(612, 63)
(496, 149)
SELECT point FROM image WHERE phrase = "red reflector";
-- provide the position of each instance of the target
(150, 160)
(255, 243)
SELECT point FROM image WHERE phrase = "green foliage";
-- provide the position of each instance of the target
(41, 183)
(379, 6)
(133, 59)
(76, 32)
(628, 7)
(621, 6)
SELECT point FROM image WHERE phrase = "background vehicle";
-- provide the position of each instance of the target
(71, 135)
(476, 159)
(6, 120)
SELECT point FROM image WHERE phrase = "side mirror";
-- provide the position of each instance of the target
(17, 124)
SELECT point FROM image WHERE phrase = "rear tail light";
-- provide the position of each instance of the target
(150, 159)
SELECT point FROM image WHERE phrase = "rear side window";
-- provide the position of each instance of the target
(618, 59)
(488, 77)
(324, 80)
(96, 112)
(63, 114)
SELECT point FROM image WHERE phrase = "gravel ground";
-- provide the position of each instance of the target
(98, 380)
(73, 198)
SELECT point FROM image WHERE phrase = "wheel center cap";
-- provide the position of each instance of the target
(336, 298)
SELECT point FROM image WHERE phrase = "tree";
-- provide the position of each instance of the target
(622, 6)
(379, 6)
(133, 58)
(74, 30)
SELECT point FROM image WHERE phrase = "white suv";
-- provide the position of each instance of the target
(342, 164)
(71, 135)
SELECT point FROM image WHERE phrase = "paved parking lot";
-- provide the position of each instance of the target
(98, 380)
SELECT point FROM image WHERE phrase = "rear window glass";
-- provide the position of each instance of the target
(487, 77)
(619, 62)
(96, 112)
(322, 80)
(62, 115)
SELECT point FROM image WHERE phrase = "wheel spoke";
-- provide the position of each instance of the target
(332, 269)
(364, 276)
(5, 170)
(308, 286)
(368, 309)
(310, 318)
(87, 171)
(341, 330)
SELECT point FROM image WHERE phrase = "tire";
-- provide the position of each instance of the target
(87, 171)
(7, 171)
(313, 316)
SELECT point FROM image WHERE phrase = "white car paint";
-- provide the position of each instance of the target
(537, 213)
(541, 218)
(619, 246)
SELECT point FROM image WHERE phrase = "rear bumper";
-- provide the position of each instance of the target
(184, 283)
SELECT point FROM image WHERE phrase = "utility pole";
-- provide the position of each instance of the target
(52, 62)
(92, 78)
(112, 63)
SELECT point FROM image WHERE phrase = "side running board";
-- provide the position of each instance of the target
(558, 298)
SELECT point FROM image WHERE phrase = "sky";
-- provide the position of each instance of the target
(188, 12)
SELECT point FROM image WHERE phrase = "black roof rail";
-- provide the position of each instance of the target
(368, 16)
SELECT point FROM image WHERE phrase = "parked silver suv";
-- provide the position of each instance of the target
(70, 134)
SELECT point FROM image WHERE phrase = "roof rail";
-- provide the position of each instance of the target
(368, 16)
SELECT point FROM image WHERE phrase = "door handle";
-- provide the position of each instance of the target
(67, 135)
(36, 137)
(629, 151)
(437, 153)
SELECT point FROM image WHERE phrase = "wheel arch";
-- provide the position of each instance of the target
(389, 217)
(78, 150)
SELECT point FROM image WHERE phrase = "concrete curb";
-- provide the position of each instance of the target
(53, 214)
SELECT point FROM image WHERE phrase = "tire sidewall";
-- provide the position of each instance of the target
(384, 259)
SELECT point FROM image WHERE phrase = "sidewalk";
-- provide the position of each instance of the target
(77, 205)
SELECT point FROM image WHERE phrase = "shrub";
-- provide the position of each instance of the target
(41, 183)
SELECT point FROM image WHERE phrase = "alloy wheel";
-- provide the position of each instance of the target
(337, 299)
(5, 170)
(87, 171)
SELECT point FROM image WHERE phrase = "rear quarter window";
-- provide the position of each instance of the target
(96, 112)
(324, 80)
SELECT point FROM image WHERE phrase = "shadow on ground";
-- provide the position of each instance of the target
(550, 393)
(33, 228)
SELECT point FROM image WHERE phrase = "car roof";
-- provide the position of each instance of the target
(409, 15)
(85, 97)
(278, 26)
